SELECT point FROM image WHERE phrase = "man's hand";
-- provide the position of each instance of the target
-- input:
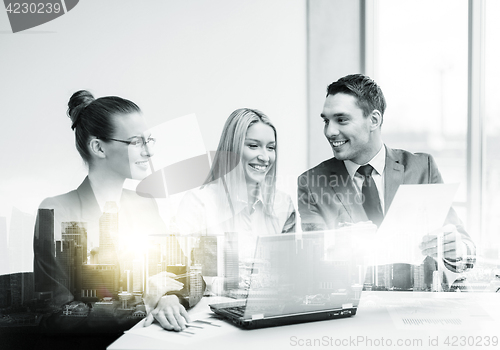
(452, 246)
(169, 313)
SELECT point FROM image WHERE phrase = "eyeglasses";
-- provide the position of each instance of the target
(135, 142)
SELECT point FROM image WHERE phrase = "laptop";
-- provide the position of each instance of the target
(302, 277)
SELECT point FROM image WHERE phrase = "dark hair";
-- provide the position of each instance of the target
(92, 117)
(369, 95)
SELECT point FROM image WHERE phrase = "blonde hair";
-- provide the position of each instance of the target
(226, 169)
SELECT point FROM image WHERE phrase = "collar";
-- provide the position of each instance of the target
(89, 201)
(377, 162)
(252, 207)
(257, 200)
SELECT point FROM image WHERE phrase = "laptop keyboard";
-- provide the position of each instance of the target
(238, 311)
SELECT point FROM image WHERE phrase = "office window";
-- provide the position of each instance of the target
(491, 187)
(420, 58)
(420, 61)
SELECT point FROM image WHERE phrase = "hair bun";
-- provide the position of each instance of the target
(77, 102)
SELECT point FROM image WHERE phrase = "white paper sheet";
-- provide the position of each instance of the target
(440, 314)
(204, 326)
(416, 210)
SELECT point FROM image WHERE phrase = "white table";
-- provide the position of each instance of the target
(410, 320)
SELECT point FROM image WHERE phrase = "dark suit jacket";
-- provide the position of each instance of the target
(327, 196)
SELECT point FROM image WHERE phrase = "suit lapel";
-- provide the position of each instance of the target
(345, 192)
(89, 208)
(394, 176)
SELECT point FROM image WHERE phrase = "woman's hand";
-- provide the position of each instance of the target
(159, 285)
(166, 309)
(169, 313)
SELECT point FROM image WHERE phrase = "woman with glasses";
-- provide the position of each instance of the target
(90, 243)
(239, 195)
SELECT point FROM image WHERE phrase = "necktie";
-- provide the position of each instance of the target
(371, 200)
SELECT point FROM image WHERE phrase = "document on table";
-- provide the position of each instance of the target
(204, 326)
(439, 314)
(417, 210)
(200, 330)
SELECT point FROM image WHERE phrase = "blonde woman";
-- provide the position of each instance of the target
(240, 195)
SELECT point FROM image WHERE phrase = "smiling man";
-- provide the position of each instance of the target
(359, 183)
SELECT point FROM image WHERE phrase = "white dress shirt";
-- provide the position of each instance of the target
(378, 164)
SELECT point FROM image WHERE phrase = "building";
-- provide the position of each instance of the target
(99, 281)
(138, 275)
(154, 259)
(419, 278)
(21, 241)
(206, 255)
(44, 237)
(195, 285)
(103, 309)
(66, 256)
(231, 261)
(22, 288)
(76, 231)
(76, 309)
(5, 291)
(108, 234)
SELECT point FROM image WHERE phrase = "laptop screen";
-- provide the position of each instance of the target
(307, 272)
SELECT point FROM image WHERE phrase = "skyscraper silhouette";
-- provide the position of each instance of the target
(21, 240)
(76, 231)
(44, 238)
(231, 261)
(108, 234)
(102, 279)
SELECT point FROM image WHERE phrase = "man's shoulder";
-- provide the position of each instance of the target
(407, 158)
(324, 167)
(404, 157)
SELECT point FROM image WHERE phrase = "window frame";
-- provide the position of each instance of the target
(475, 104)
